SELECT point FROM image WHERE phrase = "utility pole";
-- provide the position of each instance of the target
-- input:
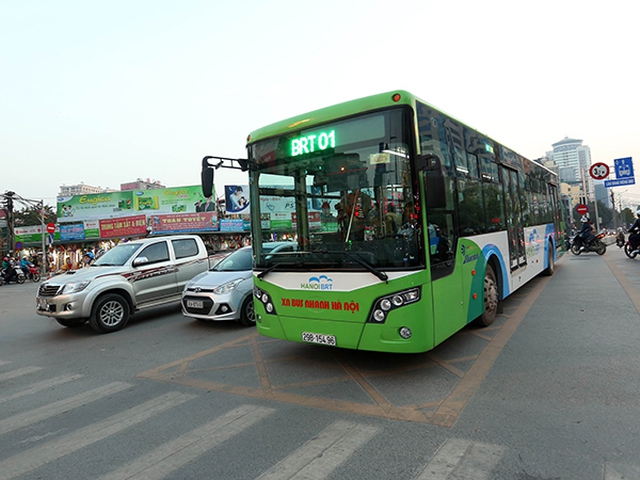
(613, 206)
(8, 196)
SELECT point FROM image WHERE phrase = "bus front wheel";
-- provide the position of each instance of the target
(490, 298)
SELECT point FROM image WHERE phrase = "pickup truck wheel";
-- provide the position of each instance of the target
(71, 322)
(247, 314)
(110, 313)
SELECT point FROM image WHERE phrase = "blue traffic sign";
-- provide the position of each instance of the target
(624, 167)
(619, 182)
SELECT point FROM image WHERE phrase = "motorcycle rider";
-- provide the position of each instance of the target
(25, 264)
(620, 239)
(8, 269)
(586, 233)
(634, 234)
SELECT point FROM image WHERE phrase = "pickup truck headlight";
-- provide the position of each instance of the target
(227, 287)
(75, 287)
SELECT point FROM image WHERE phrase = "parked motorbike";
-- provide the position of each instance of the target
(596, 245)
(18, 276)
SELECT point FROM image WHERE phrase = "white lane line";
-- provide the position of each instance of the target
(617, 471)
(174, 454)
(458, 459)
(43, 385)
(47, 411)
(321, 455)
(18, 372)
(4, 362)
(36, 457)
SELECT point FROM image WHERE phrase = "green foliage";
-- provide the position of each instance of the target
(29, 216)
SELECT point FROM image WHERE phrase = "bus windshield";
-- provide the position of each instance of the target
(344, 192)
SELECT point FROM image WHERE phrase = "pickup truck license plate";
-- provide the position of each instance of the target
(195, 304)
(42, 304)
(319, 338)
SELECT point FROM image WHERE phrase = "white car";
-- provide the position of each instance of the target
(225, 292)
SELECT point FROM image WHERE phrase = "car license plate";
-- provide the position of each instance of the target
(195, 304)
(42, 304)
(319, 338)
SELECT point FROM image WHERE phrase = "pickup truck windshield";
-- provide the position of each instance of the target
(118, 255)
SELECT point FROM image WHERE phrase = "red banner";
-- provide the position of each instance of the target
(184, 222)
(123, 227)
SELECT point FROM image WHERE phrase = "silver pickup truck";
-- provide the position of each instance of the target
(129, 277)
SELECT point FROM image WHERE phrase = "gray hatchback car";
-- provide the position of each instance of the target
(225, 292)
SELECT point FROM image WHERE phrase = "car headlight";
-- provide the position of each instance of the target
(227, 287)
(75, 287)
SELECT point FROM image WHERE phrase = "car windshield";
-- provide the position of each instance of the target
(118, 255)
(346, 186)
(239, 261)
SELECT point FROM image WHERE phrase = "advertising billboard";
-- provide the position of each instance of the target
(119, 204)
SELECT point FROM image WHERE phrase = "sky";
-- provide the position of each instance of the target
(107, 92)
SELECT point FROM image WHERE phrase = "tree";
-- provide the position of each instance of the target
(31, 216)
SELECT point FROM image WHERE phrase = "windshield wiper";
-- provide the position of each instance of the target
(378, 273)
(265, 272)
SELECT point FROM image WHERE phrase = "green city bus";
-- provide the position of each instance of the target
(406, 225)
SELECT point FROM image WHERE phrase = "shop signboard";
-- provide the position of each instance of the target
(132, 226)
(183, 223)
(26, 235)
(231, 225)
(91, 229)
(71, 231)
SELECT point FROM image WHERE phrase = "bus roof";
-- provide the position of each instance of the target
(331, 113)
(346, 109)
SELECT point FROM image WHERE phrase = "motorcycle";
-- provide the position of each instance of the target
(31, 273)
(629, 251)
(596, 245)
(620, 240)
(18, 276)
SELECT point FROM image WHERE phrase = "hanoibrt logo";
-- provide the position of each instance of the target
(533, 245)
(467, 256)
(318, 283)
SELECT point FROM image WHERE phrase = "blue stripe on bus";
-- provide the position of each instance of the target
(491, 249)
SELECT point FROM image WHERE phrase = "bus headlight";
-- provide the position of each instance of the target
(383, 305)
(265, 298)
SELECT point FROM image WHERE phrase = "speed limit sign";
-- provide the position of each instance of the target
(599, 171)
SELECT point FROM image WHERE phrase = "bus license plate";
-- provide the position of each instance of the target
(195, 304)
(319, 338)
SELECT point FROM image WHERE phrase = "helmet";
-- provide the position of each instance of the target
(91, 255)
(584, 219)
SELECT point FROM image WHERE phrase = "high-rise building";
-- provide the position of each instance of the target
(81, 189)
(573, 159)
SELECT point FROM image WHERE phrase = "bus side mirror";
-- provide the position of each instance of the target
(434, 180)
(207, 178)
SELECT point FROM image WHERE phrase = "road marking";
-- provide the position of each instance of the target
(43, 385)
(51, 410)
(321, 455)
(176, 453)
(18, 373)
(616, 471)
(4, 362)
(36, 457)
(458, 459)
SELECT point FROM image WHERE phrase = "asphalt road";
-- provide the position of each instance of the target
(550, 391)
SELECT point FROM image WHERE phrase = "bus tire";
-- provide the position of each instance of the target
(550, 270)
(110, 313)
(247, 313)
(490, 298)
